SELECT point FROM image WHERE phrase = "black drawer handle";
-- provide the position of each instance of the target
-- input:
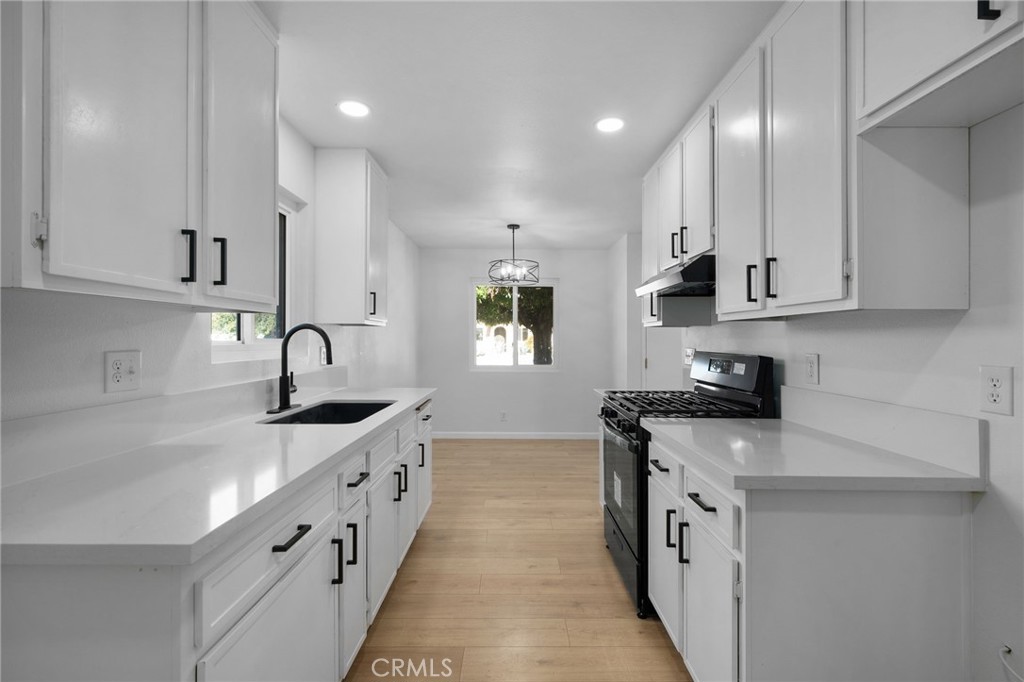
(355, 545)
(340, 580)
(657, 465)
(423, 455)
(223, 241)
(701, 503)
(986, 13)
(770, 265)
(190, 235)
(682, 525)
(302, 529)
(427, 418)
(750, 292)
(682, 241)
(399, 498)
(669, 513)
(405, 486)
(363, 475)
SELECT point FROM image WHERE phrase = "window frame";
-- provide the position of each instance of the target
(515, 367)
(247, 347)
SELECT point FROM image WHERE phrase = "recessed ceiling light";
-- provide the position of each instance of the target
(609, 125)
(350, 107)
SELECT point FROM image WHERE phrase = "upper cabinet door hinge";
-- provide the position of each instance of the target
(40, 230)
(848, 268)
(737, 590)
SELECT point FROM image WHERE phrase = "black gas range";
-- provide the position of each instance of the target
(725, 385)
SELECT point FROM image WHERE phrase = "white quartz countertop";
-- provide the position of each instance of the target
(172, 502)
(774, 454)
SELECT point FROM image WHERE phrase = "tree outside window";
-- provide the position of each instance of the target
(514, 325)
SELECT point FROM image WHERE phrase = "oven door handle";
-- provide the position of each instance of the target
(620, 439)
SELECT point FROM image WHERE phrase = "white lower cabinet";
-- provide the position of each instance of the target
(710, 606)
(352, 573)
(408, 506)
(382, 534)
(665, 573)
(266, 644)
(424, 473)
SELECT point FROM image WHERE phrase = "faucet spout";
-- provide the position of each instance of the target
(284, 384)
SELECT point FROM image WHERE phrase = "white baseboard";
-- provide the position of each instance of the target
(514, 435)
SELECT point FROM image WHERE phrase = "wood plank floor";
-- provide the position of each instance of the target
(509, 579)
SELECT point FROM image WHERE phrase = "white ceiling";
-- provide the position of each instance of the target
(483, 112)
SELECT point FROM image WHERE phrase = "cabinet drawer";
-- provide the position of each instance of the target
(665, 468)
(407, 431)
(424, 413)
(353, 481)
(224, 594)
(709, 504)
(382, 453)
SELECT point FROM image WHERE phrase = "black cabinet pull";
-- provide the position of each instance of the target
(405, 486)
(423, 455)
(427, 418)
(770, 264)
(363, 475)
(355, 545)
(750, 295)
(399, 498)
(340, 580)
(682, 241)
(657, 465)
(672, 242)
(701, 503)
(669, 513)
(986, 13)
(223, 241)
(190, 235)
(654, 313)
(302, 529)
(679, 539)
(373, 302)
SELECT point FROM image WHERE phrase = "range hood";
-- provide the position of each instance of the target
(695, 277)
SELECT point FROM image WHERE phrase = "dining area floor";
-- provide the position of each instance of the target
(509, 578)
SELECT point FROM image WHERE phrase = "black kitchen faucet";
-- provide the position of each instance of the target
(284, 382)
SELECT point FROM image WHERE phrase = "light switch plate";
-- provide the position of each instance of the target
(122, 370)
(811, 366)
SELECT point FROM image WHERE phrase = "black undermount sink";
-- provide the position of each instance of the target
(332, 412)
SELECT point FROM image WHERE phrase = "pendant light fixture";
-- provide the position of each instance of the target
(514, 271)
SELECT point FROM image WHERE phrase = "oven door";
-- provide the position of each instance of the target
(621, 484)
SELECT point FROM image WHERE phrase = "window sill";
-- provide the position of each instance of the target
(245, 352)
(506, 369)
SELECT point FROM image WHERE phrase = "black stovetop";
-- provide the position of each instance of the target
(639, 404)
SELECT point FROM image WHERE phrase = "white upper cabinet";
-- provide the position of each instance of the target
(240, 154)
(698, 187)
(740, 182)
(351, 238)
(670, 208)
(906, 45)
(142, 142)
(118, 192)
(649, 225)
(805, 135)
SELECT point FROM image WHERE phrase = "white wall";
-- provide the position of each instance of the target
(627, 329)
(559, 402)
(53, 343)
(930, 360)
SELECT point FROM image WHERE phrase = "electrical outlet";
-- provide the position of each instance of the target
(811, 366)
(503, 416)
(688, 356)
(995, 386)
(122, 370)
(323, 355)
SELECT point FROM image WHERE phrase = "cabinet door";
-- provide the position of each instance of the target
(424, 474)
(664, 572)
(806, 113)
(649, 311)
(739, 170)
(376, 245)
(905, 42)
(698, 174)
(710, 607)
(408, 507)
(117, 143)
(649, 225)
(263, 646)
(240, 154)
(381, 538)
(670, 207)
(352, 532)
